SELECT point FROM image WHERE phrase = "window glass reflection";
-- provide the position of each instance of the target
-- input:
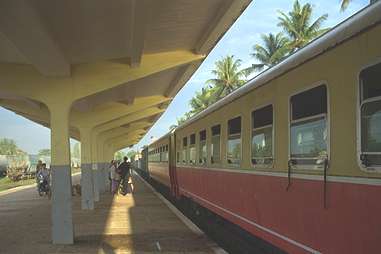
(309, 139)
(234, 150)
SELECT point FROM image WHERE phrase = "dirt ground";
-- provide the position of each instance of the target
(138, 223)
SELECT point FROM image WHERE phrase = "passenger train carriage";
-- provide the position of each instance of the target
(294, 156)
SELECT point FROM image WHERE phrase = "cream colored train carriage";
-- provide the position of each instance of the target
(294, 156)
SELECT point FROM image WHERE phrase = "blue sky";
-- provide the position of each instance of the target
(260, 17)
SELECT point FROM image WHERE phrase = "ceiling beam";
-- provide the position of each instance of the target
(123, 139)
(140, 16)
(99, 117)
(10, 97)
(22, 26)
(226, 15)
(87, 78)
(137, 128)
(181, 78)
(130, 118)
(126, 145)
(98, 77)
(124, 95)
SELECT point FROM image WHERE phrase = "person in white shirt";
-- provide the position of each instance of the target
(115, 177)
(44, 172)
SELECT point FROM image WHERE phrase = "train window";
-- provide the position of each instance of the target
(308, 128)
(215, 144)
(202, 148)
(192, 149)
(234, 141)
(184, 151)
(164, 154)
(370, 110)
(262, 136)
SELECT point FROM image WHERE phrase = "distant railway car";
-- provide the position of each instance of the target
(294, 156)
(158, 155)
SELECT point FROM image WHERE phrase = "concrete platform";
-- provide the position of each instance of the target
(138, 223)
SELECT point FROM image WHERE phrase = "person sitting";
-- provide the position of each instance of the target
(44, 175)
(44, 172)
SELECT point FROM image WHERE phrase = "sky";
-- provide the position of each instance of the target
(259, 18)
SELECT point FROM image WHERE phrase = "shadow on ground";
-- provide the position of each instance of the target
(138, 223)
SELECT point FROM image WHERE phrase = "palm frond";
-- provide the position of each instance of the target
(344, 4)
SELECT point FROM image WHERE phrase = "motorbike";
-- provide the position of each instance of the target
(43, 186)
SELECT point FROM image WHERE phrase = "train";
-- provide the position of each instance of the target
(293, 157)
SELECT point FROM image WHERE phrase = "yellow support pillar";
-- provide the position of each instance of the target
(102, 166)
(62, 221)
(87, 179)
(105, 159)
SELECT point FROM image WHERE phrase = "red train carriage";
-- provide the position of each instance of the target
(158, 160)
(294, 156)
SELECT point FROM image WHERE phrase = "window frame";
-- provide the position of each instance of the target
(184, 161)
(177, 150)
(311, 168)
(262, 166)
(198, 154)
(192, 146)
(209, 160)
(232, 165)
(359, 104)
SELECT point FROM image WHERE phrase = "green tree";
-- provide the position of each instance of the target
(298, 24)
(181, 120)
(131, 154)
(119, 155)
(344, 4)
(44, 152)
(76, 153)
(228, 76)
(8, 147)
(202, 100)
(274, 49)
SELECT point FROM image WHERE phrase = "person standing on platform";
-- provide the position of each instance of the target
(115, 177)
(124, 171)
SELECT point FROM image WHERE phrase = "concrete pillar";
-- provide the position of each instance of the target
(105, 159)
(106, 180)
(103, 177)
(96, 182)
(100, 177)
(62, 221)
(87, 188)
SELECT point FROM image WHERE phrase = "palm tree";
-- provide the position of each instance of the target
(8, 147)
(228, 77)
(181, 120)
(274, 49)
(202, 100)
(44, 152)
(344, 4)
(297, 25)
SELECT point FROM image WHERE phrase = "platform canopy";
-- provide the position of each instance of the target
(113, 65)
(101, 72)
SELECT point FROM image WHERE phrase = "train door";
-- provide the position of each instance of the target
(172, 165)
